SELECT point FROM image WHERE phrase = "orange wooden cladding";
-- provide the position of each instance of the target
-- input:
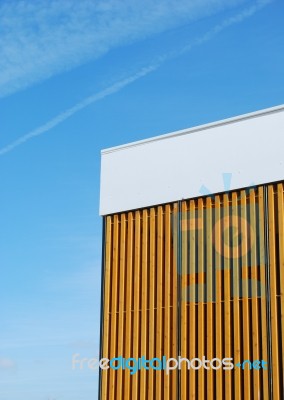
(225, 312)
(140, 301)
(199, 277)
(276, 248)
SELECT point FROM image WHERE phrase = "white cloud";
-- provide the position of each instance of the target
(7, 364)
(41, 38)
(242, 15)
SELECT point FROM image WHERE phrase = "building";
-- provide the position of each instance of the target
(193, 272)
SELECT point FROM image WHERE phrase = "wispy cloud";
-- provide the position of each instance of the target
(242, 15)
(41, 38)
(7, 364)
(235, 19)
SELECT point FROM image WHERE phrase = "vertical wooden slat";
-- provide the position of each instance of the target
(168, 279)
(200, 307)
(254, 287)
(152, 291)
(129, 303)
(227, 296)
(219, 291)
(234, 225)
(191, 329)
(159, 329)
(245, 295)
(184, 289)
(114, 308)
(136, 303)
(273, 291)
(174, 301)
(121, 297)
(209, 297)
(280, 204)
(264, 327)
(106, 305)
(144, 303)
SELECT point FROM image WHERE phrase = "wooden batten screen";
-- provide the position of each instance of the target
(276, 270)
(223, 308)
(200, 277)
(140, 301)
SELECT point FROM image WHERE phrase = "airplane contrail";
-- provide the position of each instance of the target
(73, 110)
(245, 13)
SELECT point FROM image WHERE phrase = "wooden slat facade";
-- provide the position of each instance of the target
(199, 277)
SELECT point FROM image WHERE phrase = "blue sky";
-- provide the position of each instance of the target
(77, 77)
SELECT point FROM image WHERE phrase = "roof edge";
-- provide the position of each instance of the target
(197, 128)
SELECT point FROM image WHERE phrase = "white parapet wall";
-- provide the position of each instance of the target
(177, 165)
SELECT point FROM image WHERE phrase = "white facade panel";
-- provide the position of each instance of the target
(176, 166)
